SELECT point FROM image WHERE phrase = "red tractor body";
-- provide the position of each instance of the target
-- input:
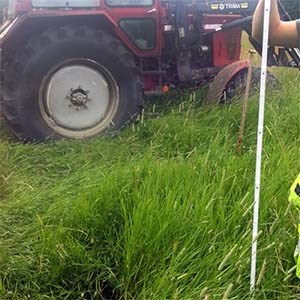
(223, 47)
(168, 44)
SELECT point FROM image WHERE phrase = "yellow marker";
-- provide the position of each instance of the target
(294, 196)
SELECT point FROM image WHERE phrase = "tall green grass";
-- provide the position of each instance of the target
(162, 211)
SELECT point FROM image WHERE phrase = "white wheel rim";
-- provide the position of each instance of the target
(78, 98)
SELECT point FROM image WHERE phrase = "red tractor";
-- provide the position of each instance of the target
(79, 68)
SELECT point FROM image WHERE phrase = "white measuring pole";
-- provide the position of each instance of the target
(263, 76)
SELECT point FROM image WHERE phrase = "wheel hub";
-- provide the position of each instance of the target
(78, 98)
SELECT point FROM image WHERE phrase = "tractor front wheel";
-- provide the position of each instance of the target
(237, 85)
(71, 82)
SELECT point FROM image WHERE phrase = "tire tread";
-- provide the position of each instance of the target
(12, 108)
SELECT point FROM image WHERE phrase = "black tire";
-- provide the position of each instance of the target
(30, 66)
(236, 87)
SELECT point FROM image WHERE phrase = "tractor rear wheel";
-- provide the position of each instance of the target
(71, 82)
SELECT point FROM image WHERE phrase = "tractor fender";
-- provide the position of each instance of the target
(221, 80)
(23, 27)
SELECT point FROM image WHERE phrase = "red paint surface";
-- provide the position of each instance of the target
(150, 82)
(227, 47)
(113, 14)
(227, 43)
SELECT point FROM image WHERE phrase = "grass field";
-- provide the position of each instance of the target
(162, 211)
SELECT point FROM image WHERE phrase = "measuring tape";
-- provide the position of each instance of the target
(262, 94)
